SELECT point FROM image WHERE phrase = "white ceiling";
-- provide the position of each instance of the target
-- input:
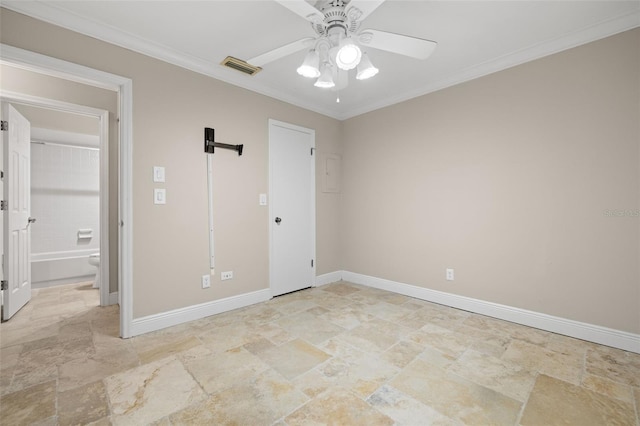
(474, 38)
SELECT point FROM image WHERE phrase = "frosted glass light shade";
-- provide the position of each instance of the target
(366, 68)
(310, 66)
(326, 79)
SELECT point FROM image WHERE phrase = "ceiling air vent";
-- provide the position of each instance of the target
(240, 65)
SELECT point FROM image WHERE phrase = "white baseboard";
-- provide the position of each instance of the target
(329, 278)
(593, 333)
(195, 312)
(580, 330)
(113, 298)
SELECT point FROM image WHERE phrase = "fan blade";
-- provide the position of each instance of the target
(396, 43)
(364, 6)
(302, 9)
(281, 52)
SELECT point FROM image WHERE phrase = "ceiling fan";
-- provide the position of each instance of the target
(337, 48)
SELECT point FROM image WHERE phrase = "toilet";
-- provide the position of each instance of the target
(94, 259)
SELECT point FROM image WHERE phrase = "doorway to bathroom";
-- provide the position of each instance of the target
(66, 81)
(69, 211)
(65, 197)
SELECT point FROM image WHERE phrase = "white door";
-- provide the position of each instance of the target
(292, 207)
(17, 194)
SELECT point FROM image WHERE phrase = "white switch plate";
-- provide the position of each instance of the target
(226, 275)
(449, 274)
(263, 199)
(159, 196)
(206, 281)
(158, 174)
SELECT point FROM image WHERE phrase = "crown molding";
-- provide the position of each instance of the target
(52, 14)
(567, 41)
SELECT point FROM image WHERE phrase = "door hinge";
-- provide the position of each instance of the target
(4, 285)
(312, 263)
(4, 205)
(4, 125)
(312, 149)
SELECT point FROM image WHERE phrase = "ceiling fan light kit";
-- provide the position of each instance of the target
(344, 55)
(338, 44)
(325, 81)
(366, 68)
(310, 66)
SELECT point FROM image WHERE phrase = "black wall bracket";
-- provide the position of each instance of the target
(210, 144)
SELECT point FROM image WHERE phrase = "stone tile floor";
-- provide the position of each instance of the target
(341, 354)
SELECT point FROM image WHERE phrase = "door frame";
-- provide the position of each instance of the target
(312, 270)
(103, 136)
(123, 86)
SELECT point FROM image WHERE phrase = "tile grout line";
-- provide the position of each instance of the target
(379, 356)
(332, 356)
(524, 404)
(636, 403)
(106, 395)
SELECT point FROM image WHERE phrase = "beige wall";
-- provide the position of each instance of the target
(507, 179)
(58, 120)
(31, 83)
(171, 108)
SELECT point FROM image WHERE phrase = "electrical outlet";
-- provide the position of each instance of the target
(449, 274)
(226, 275)
(206, 281)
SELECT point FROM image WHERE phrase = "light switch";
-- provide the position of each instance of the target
(263, 199)
(159, 196)
(158, 174)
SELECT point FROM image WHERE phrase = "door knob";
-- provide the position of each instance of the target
(31, 220)
(278, 220)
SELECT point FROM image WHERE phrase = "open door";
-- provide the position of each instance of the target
(16, 144)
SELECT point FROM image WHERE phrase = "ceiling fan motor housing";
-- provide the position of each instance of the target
(336, 18)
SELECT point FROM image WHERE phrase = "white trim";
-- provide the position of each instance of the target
(113, 298)
(195, 312)
(123, 86)
(125, 191)
(312, 212)
(329, 278)
(53, 14)
(37, 101)
(580, 330)
(104, 209)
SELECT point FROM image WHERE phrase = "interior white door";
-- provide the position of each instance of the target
(292, 207)
(17, 194)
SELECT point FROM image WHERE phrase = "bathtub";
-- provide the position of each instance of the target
(63, 267)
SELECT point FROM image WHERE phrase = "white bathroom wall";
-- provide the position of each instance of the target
(65, 199)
